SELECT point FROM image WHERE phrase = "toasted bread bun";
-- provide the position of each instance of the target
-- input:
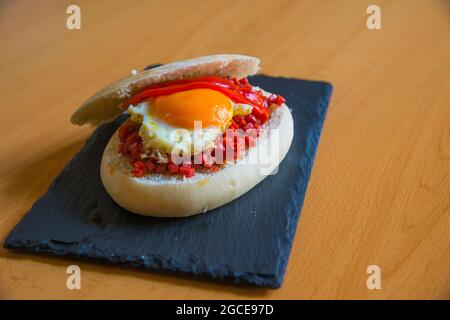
(170, 196)
(105, 105)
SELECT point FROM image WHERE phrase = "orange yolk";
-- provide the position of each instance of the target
(181, 109)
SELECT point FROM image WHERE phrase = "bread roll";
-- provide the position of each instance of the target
(169, 196)
(172, 196)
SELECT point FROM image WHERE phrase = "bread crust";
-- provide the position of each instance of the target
(105, 104)
(163, 196)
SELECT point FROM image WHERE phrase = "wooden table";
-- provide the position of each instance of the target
(380, 188)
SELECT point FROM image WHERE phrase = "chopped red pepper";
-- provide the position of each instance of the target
(234, 125)
(248, 126)
(139, 169)
(173, 168)
(160, 168)
(250, 118)
(187, 171)
(126, 129)
(261, 113)
(133, 138)
(136, 149)
(279, 100)
(149, 165)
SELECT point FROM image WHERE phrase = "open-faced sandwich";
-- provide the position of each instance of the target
(198, 135)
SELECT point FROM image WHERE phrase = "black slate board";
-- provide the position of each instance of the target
(245, 241)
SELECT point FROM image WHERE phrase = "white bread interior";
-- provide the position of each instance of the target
(170, 196)
(105, 104)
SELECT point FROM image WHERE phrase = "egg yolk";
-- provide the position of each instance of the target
(181, 109)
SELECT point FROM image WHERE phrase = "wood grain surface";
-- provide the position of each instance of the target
(380, 188)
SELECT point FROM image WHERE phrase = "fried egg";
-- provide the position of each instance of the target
(185, 122)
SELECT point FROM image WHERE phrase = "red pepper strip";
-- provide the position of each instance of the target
(163, 91)
(244, 86)
(214, 79)
(236, 91)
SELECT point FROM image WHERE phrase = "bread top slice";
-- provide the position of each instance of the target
(105, 104)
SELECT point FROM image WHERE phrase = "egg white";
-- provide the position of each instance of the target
(159, 135)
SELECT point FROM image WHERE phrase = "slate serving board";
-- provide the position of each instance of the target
(245, 241)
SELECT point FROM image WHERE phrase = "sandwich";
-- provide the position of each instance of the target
(197, 135)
